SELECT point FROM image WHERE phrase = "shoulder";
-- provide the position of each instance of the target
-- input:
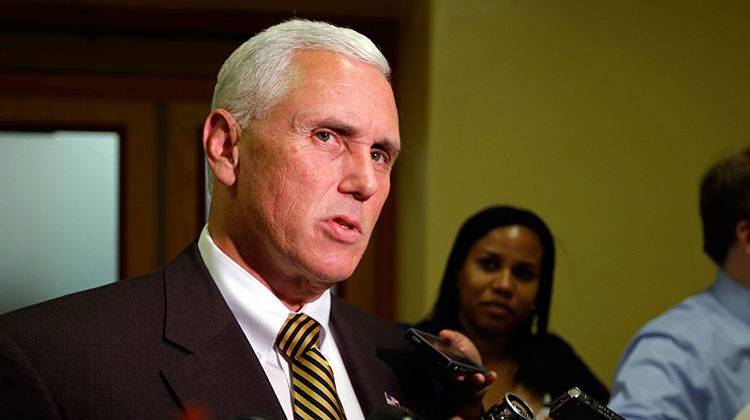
(556, 351)
(676, 338)
(378, 331)
(691, 309)
(689, 327)
(563, 368)
(71, 326)
(553, 344)
(127, 295)
(125, 303)
(666, 360)
(52, 350)
(380, 349)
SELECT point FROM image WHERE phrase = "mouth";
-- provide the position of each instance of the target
(343, 229)
(347, 223)
(498, 308)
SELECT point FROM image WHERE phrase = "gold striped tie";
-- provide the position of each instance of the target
(313, 388)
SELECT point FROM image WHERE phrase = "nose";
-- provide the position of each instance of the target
(360, 177)
(503, 282)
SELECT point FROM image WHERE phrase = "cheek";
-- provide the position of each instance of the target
(470, 286)
(374, 206)
(528, 295)
(466, 303)
(285, 183)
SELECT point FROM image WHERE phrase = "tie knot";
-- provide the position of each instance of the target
(298, 334)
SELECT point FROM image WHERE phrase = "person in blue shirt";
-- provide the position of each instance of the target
(693, 362)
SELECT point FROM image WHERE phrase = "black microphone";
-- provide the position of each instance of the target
(511, 407)
(393, 412)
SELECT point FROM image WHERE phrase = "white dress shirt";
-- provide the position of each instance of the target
(261, 314)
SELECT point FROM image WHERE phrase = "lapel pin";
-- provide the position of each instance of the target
(390, 400)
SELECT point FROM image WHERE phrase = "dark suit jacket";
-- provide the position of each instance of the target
(147, 347)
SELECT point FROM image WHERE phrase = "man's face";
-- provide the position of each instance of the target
(314, 174)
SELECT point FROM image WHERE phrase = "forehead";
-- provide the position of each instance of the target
(324, 82)
(312, 64)
(517, 238)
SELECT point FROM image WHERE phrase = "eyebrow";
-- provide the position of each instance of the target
(337, 125)
(349, 130)
(390, 146)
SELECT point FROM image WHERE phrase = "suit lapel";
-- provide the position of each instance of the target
(219, 371)
(371, 378)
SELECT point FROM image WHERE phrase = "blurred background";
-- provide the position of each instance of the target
(601, 116)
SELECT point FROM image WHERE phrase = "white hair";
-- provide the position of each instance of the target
(257, 74)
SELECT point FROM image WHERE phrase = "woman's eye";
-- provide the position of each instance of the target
(324, 136)
(524, 273)
(489, 264)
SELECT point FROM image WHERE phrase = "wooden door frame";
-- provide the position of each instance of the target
(132, 121)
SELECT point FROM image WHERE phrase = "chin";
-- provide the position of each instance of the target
(331, 273)
(338, 268)
(499, 330)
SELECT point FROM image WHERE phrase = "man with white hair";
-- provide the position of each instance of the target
(301, 140)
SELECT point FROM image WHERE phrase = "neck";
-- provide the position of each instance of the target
(737, 265)
(293, 291)
(493, 348)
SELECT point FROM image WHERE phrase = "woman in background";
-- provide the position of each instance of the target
(496, 289)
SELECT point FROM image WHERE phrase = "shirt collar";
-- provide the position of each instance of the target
(734, 296)
(259, 312)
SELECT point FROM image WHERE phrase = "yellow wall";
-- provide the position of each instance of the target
(599, 115)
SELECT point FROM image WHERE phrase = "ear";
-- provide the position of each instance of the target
(742, 234)
(221, 133)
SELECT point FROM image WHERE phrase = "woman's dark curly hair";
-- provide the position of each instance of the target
(446, 310)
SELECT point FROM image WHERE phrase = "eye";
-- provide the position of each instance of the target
(489, 263)
(380, 156)
(324, 136)
(524, 272)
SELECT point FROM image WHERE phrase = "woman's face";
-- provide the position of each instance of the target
(500, 280)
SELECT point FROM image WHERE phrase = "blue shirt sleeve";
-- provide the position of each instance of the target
(659, 378)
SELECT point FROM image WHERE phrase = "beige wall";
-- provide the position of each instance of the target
(599, 115)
